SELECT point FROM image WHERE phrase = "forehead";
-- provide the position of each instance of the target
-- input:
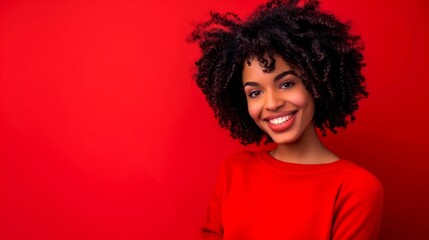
(254, 69)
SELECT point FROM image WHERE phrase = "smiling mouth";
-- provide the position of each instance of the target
(281, 120)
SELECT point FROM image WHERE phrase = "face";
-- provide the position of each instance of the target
(278, 101)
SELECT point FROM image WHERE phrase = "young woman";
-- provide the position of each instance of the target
(284, 72)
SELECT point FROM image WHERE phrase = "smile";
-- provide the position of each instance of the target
(281, 120)
(281, 123)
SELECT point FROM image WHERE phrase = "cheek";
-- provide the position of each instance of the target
(299, 99)
(305, 102)
(302, 98)
(254, 110)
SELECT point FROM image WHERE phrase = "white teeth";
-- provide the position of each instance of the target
(281, 120)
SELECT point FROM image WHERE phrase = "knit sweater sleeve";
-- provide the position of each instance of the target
(358, 208)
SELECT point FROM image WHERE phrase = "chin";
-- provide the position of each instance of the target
(284, 140)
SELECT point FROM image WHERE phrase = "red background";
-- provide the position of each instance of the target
(104, 135)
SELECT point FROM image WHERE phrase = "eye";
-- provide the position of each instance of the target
(254, 94)
(287, 84)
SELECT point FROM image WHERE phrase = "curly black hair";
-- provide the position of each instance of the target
(328, 55)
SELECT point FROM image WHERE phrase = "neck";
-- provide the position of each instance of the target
(308, 149)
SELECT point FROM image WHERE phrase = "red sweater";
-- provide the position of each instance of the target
(260, 198)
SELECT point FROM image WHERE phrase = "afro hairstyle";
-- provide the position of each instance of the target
(321, 46)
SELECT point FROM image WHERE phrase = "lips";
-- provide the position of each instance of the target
(280, 122)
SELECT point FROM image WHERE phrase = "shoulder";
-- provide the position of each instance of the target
(359, 182)
(241, 159)
(242, 154)
(358, 176)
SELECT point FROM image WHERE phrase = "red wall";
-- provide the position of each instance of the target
(104, 135)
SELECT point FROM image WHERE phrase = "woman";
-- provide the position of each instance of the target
(284, 72)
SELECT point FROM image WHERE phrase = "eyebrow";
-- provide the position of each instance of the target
(276, 78)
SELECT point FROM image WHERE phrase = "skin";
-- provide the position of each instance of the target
(280, 94)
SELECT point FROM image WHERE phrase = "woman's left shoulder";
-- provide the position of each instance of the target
(359, 179)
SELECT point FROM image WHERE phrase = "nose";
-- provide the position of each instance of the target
(273, 101)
